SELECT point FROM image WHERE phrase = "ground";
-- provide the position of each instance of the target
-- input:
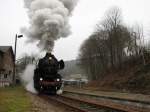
(17, 99)
(39, 104)
(14, 99)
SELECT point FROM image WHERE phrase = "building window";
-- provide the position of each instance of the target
(5, 75)
(9, 72)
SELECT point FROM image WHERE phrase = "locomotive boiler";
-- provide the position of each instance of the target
(46, 77)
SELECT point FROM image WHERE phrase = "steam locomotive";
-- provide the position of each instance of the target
(46, 77)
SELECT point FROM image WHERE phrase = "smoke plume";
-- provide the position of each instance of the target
(27, 78)
(48, 21)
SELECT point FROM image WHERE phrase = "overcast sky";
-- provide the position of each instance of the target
(87, 13)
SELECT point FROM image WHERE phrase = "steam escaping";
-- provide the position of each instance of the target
(48, 21)
(27, 78)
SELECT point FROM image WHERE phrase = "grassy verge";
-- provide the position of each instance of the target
(14, 99)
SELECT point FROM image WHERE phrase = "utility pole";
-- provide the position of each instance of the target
(14, 74)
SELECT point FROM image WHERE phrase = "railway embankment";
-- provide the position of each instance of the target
(133, 77)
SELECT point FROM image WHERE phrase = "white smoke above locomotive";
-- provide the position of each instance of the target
(48, 21)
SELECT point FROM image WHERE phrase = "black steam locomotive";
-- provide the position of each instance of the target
(46, 77)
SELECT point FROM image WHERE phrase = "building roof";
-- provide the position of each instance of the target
(5, 48)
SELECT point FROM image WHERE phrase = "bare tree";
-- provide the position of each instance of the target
(25, 60)
(105, 48)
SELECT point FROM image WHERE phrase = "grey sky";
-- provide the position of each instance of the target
(87, 13)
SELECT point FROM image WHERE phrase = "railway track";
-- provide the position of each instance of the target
(79, 105)
(118, 104)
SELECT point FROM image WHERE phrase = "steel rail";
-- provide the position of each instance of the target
(115, 103)
(110, 97)
(80, 105)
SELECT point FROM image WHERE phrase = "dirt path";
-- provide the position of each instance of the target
(41, 105)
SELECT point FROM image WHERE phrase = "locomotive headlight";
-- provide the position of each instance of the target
(57, 79)
(41, 79)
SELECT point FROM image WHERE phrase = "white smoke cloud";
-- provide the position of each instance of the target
(27, 78)
(48, 21)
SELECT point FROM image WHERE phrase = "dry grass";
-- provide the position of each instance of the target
(14, 99)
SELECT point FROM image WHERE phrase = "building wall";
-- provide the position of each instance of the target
(5, 80)
(6, 77)
(1, 60)
(8, 62)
